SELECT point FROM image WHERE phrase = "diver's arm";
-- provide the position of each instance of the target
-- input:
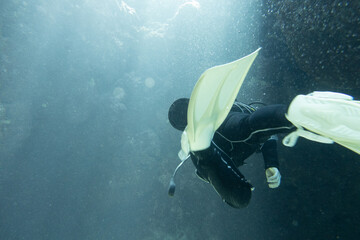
(271, 162)
(269, 152)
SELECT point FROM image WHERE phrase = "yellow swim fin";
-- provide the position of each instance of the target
(327, 117)
(211, 101)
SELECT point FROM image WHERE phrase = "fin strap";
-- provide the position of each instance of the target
(291, 139)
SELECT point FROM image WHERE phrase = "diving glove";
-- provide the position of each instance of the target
(273, 177)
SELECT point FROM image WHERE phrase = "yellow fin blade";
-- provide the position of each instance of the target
(212, 98)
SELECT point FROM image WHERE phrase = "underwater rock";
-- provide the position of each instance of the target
(323, 37)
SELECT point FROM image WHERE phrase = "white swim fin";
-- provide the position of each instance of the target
(211, 101)
(331, 117)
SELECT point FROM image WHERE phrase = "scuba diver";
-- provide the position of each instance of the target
(220, 133)
(246, 130)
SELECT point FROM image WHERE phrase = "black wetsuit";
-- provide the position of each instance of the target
(239, 136)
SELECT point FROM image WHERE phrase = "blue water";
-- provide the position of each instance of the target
(86, 150)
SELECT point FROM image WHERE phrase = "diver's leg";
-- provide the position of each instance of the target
(272, 116)
(257, 126)
(267, 121)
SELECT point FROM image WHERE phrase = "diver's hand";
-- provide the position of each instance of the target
(273, 177)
